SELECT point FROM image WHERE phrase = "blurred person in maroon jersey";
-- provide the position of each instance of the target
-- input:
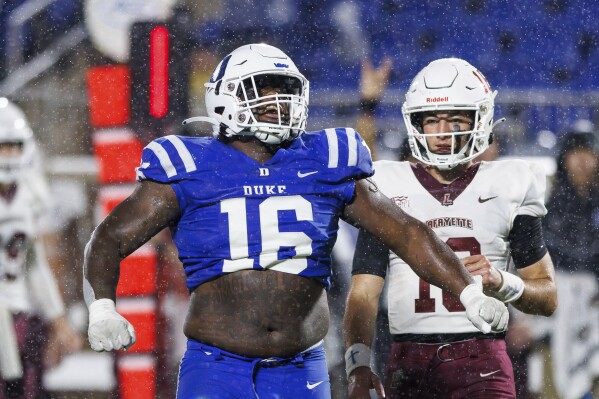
(34, 332)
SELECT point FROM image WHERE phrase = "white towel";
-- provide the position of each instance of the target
(575, 335)
(10, 359)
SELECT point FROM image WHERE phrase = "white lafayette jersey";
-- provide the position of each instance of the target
(20, 212)
(473, 215)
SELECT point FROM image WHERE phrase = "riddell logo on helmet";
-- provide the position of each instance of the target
(437, 99)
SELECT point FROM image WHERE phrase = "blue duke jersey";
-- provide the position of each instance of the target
(238, 214)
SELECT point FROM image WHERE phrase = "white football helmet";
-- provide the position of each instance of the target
(235, 97)
(450, 84)
(15, 130)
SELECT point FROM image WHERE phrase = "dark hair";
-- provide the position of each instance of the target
(571, 141)
(405, 152)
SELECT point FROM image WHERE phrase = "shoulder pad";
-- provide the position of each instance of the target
(166, 159)
(343, 148)
(530, 182)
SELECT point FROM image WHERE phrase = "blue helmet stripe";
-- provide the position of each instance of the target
(221, 71)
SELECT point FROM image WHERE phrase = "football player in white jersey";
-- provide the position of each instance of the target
(487, 212)
(31, 308)
(254, 214)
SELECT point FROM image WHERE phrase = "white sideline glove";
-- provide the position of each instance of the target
(107, 329)
(486, 313)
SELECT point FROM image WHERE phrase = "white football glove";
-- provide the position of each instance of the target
(486, 313)
(107, 329)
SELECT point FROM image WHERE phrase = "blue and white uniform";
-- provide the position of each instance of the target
(238, 214)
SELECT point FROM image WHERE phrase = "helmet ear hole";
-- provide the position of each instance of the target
(219, 110)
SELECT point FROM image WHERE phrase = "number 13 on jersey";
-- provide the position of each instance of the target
(424, 303)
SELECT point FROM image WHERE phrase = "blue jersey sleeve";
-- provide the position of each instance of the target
(344, 152)
(166, 160)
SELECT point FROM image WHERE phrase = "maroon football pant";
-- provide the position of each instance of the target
(31, 334)
(477, 368)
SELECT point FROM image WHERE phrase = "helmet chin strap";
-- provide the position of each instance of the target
(448, 166)
(255, 131)
(269, 137)
(459, 156)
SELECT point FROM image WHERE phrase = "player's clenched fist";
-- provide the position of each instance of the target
(107, 329)
(486, 313)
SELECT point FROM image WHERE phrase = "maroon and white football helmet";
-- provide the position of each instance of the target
(15, 130)
(450, 84)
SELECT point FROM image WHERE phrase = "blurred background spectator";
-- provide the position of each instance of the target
(572, 226)
(572, 235)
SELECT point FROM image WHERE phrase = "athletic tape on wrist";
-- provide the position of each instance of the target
(100, 308)
(468, 297)
(511, 289)
(357, 355)
(469, 292)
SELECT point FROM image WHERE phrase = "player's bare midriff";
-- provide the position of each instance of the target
(259, 313)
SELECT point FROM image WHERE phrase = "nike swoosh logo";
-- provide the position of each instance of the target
(300, 174)
(312, 386)
(488, 374)
(481, 199)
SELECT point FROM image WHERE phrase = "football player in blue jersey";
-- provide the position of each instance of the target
(254, 213)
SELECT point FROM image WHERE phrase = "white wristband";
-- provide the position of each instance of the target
(470, 293)
(357, 355)
(511, 289)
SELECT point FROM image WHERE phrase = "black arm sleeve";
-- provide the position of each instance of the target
(371, 255)
(526, 241)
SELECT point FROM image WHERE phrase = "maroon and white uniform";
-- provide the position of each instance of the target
(473, 215)
(437, 351)
(28, 291)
